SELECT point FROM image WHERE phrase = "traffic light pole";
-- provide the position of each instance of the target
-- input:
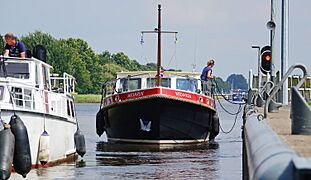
(272, 40)
(259, 64)
(284, 48)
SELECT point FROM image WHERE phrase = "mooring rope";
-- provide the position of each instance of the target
(233, 114)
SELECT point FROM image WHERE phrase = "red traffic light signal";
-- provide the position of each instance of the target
(265, 58)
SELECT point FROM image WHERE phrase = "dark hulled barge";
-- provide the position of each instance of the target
(157, 107)
(135, 110)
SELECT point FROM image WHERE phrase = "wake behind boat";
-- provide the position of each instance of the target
(157, 107)
(38, 115)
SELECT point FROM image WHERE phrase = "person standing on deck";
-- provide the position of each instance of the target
(14, 48)
(207, 74)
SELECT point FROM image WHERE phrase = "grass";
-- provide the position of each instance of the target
(309, 103)
(87, 98)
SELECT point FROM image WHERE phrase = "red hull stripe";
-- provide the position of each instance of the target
(162, 91)
(69, 158)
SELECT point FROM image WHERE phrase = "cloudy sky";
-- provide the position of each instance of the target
(223, 30)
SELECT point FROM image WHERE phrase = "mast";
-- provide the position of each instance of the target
(159, 32)
(159, 47)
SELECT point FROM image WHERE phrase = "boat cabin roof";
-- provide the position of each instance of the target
(143, 74)
(36, 73)
(20, 60)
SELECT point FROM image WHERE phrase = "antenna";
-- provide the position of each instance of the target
(193, 67)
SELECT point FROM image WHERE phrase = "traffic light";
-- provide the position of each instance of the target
(265, 58)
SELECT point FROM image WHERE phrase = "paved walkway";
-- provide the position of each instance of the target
(281, 123)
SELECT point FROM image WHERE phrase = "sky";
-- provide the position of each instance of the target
(223, 30)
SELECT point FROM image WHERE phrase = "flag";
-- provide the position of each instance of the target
(161, 73)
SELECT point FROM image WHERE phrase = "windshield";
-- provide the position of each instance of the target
(187, 84)
(15, 70)
(128, 84)
(165, 82)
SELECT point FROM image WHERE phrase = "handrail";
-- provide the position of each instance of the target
(264, 88)
(277, 88)
(66, 83)
(4, 58)
(105, 84)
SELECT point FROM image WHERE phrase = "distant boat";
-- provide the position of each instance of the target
(238, 96)
(157, 107)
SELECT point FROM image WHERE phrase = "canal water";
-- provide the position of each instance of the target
(219, 160)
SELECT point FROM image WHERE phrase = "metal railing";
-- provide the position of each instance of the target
(110, 87)
(280, 84)
(64, 84)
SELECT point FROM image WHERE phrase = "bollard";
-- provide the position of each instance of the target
(251, 95)
(300, 114)
(274, 106)
(259, 101)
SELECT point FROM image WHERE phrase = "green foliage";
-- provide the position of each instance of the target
(309, 103)
(224, 87)
(77, 58)
(122, 60)
(87, 98)
(2, 45)
(237, 81)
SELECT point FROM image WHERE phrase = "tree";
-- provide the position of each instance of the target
(149, 67)
(221, 85)
(77, 58)
(91, 62)
(110, 71)
(123, 60)
(67, 59)
(105, 58)
(2, 45)
(45, 39)
(237, 81)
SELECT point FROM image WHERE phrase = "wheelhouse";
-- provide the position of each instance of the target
(27, 85)
(132, 81)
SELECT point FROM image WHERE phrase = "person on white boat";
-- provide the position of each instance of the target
(207, 74)
(14, 48)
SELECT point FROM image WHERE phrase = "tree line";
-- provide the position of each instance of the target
(91, 70)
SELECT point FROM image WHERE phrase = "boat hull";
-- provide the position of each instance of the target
(157, 119)
(60, 130)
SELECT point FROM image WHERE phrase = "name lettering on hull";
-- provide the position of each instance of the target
(135, 94)
(145, 93)
(184, 95)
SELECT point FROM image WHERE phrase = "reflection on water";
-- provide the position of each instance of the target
(137, 154)
(218, 160)
(167, 161)
(113, 147)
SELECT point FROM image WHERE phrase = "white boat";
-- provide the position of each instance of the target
(43, 102)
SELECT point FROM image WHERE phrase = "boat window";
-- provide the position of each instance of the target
(28, 97)
(165, 82)
(187, 84)
(1, 92)
(37, 75)
(72, 110)
(16, 70)
(130, 84)
(68, 108)
(45, 75)
(17, 94)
